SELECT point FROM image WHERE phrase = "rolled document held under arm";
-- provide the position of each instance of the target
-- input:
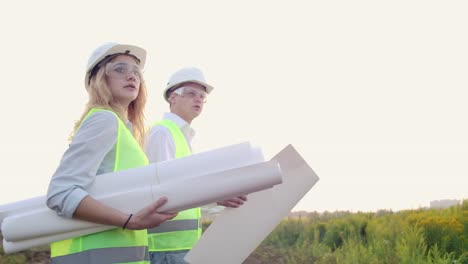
(182, 194)
(269, 173)
(11, 247)
(21, 206)
(196, 191)
(186, 188)
(202, 163)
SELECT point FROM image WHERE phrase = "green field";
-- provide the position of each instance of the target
(385, 237)
(425, 236)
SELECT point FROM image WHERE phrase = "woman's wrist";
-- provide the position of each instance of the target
(125, 225)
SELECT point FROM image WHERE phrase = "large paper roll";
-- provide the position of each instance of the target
(21, 206)
(196, 191)
(216, 160)
(106, 186)
(204, 163)
(220, 186)
(182, 194)
(12, 247)
(20, 226)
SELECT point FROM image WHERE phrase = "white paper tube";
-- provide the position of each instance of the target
(197, 191)
(236, 182)
(220, 159)
(19, 227)
(20, 206)
(202, 190)
(12, 247)
(204, 163)
(106, 185)
(134, 184)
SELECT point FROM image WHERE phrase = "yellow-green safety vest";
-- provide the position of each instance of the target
(182, 232)
(116, 245)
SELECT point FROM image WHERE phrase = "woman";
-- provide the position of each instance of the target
(103, 142)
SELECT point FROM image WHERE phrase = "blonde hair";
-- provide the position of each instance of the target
(100, 96)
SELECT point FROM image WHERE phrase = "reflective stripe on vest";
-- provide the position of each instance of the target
(116, 245)
(106, 255)
(178, 225)
(182, 232)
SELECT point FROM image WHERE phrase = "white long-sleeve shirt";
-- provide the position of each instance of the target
(160, 146)
(91, 152)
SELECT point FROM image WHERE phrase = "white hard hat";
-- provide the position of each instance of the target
(111, 48)
(189, 74)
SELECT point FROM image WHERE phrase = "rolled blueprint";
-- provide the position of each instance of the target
(196, 191)
(20, 232)
(106, 185)
(222, 185)
(203, 163)
(11, 247)
(20, 226)
(21, 206)
(182, 194)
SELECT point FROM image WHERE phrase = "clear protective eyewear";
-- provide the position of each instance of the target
(121, 70)
(191, 93)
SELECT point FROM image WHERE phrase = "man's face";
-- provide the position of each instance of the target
(189, 104)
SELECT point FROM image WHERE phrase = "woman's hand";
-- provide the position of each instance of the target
(148, 217)
(93, 211)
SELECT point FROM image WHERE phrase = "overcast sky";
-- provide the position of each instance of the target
(373, 94)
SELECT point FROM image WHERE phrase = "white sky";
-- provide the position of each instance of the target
(371, 93)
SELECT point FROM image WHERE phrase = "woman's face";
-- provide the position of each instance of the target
(123, 76)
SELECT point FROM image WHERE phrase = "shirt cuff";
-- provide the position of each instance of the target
(72, 201)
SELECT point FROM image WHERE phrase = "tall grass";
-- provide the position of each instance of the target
(385, 237)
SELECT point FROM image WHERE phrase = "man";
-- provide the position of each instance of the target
(186, 92)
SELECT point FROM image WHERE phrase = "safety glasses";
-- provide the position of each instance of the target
(191, 93)
(121, 70)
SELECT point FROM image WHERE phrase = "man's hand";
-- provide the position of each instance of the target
(234, 202)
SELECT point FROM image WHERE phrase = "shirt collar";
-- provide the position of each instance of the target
(181, 123)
